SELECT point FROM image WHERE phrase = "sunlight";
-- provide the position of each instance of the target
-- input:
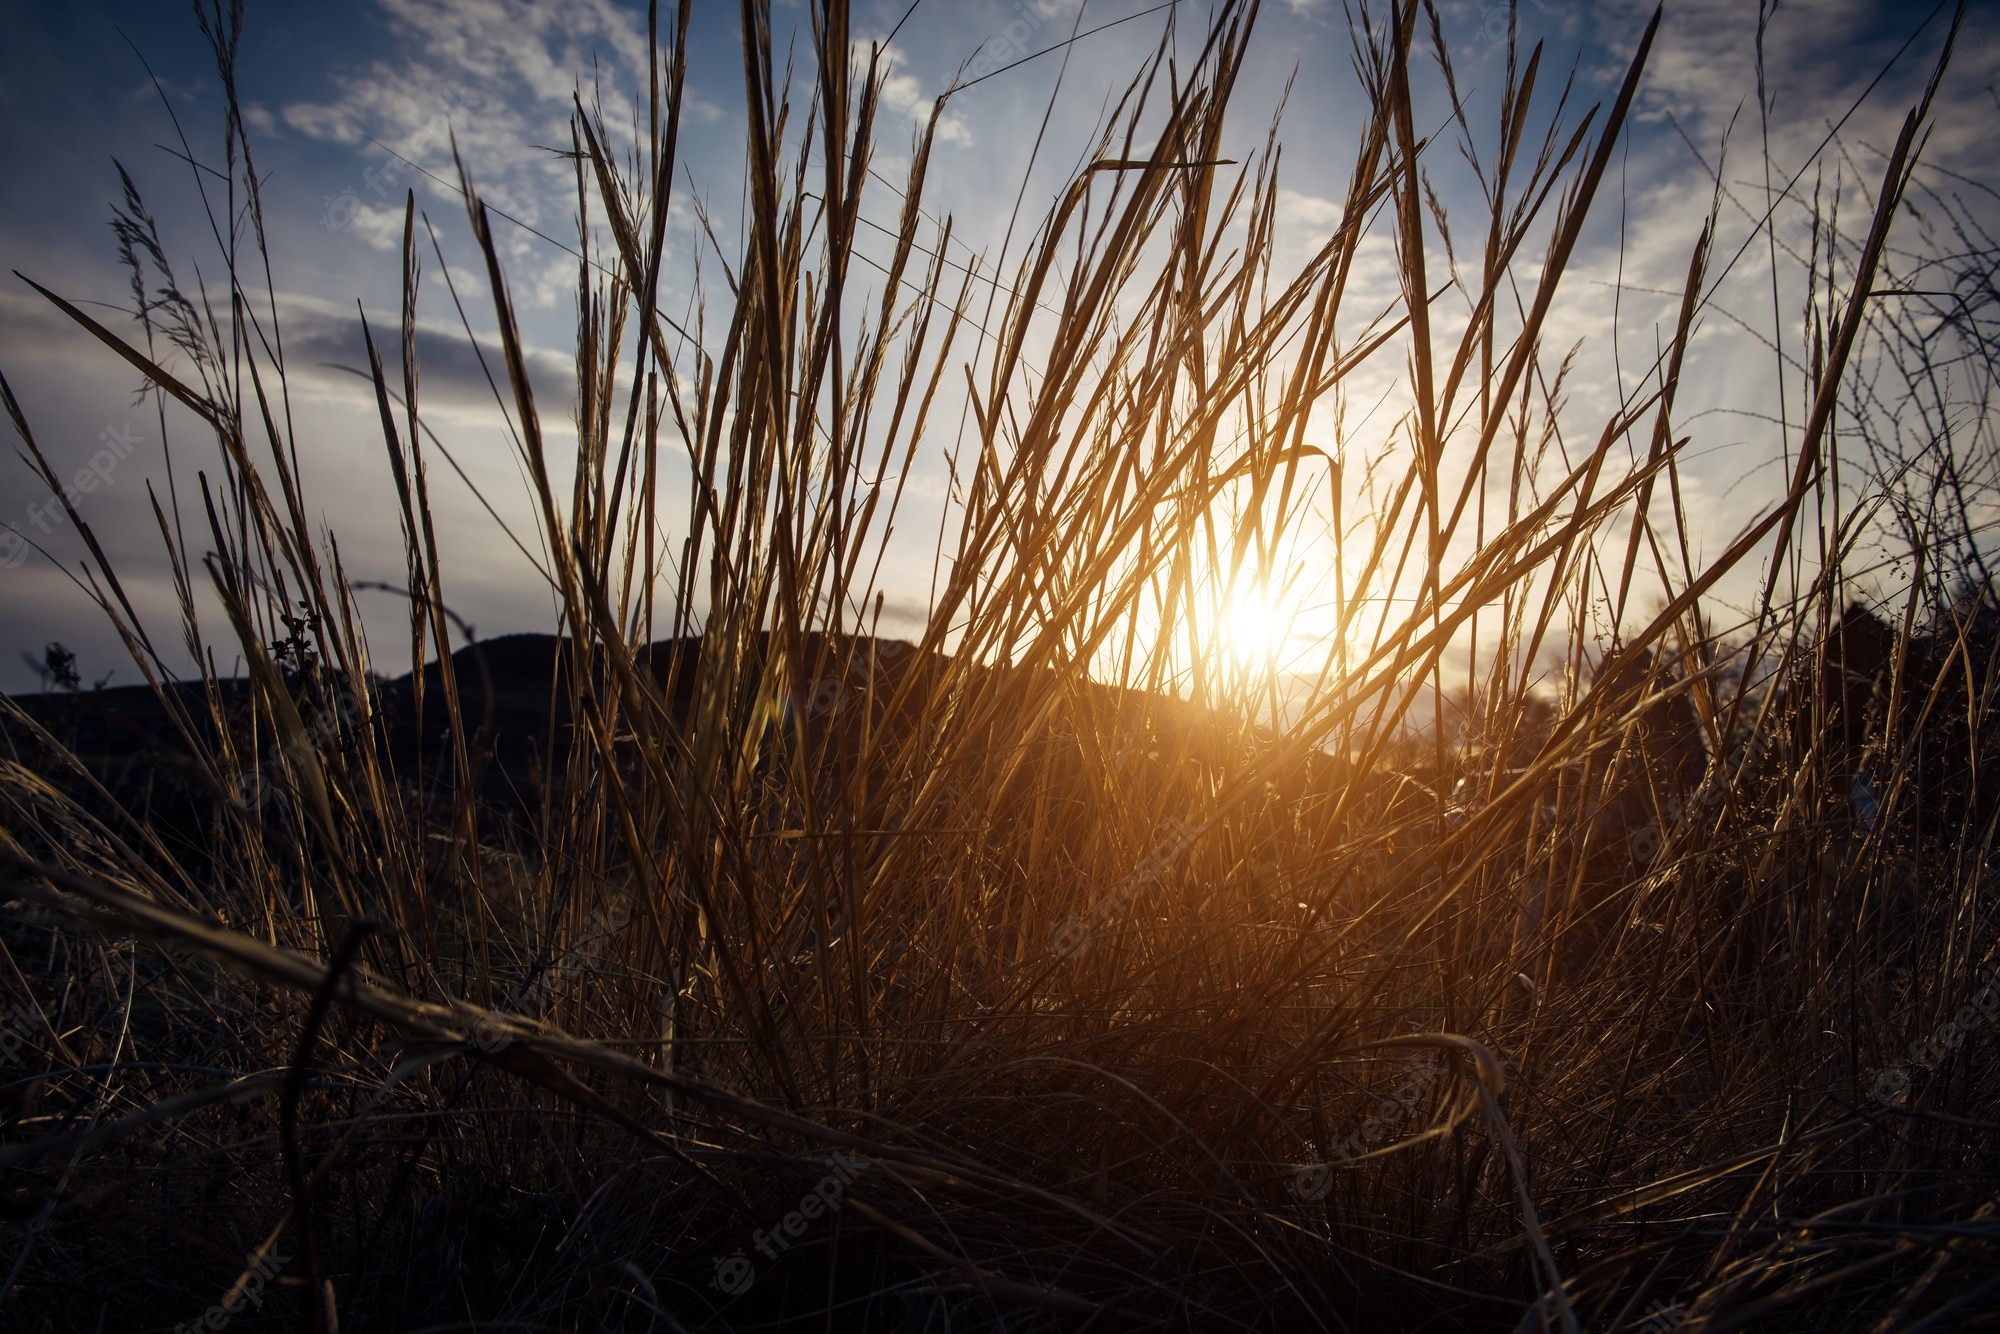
(1255, 628)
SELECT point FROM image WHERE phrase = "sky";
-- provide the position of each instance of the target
(340, 101)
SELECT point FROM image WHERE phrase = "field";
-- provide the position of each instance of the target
(724, 959)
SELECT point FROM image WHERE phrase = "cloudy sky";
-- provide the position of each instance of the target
(340, 99)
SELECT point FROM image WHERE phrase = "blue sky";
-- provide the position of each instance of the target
(321, 82)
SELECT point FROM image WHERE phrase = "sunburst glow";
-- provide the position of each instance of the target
(1255, 628)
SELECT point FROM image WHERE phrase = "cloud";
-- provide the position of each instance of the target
(443, 92)
(180, 90)
(1817, 62)
(381, 228)
(523, 43)
(904, 94)
(1310, 211)
(320, 335)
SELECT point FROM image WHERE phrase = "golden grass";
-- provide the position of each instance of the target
(1163, 1002)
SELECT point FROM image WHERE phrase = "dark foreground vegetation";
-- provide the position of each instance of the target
(728, 962)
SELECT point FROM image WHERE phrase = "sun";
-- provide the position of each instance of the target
(1255, 628)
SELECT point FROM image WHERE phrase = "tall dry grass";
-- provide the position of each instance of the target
(1129, 985)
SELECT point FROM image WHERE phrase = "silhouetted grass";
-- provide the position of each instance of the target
(1108, 980)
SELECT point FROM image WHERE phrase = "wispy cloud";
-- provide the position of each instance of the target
(494, 77)
(904, 93)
